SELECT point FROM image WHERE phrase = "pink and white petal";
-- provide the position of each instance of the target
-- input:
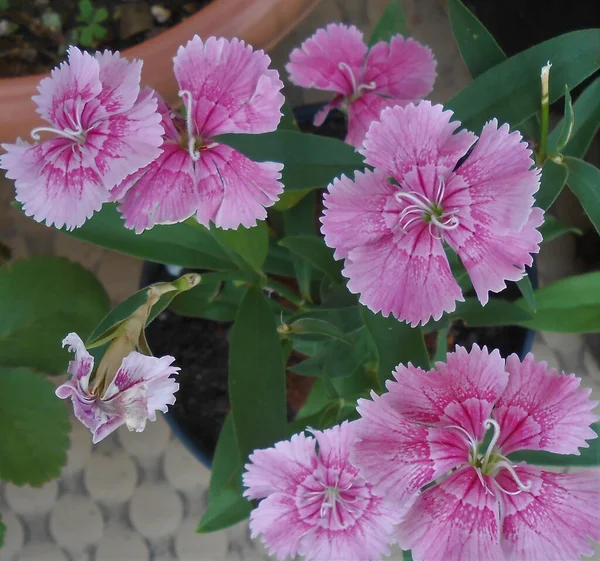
(499, 180)
(543, 410)
(407, 275)
(555, 519)
(233, 90)
(123, 143)
(362, 112)
(55, 180)
(80, 368)
(403, 69)
(393, 454)
(277, 521)
(63, 96)
(454, 520)
(334, 445)
(161, 393)
(325, 60)
(163, 193)
(491, 258)
(415, 135)
(355, 211)
(171, 121)
(321, 115)
(133, 403)
(234, 190)
(282, 467)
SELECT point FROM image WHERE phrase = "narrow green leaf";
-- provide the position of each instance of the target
(527, 291)
(34, 428)
(288, 121)
(42, 300)
(510, 91)
(396, 343)
(227, 464)
(250, 244)
(222, 306)
(496, 312)
(256, 376)
(441, 345)
(314, 250)
(407, 556)
(584, 181)
(225, 510)
(567, 124)
(346, 319)
(2, 530)
(311, 326)
(554, 177)
(391, 22)
(553, 228)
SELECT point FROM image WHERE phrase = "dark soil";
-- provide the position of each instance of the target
(34, 34)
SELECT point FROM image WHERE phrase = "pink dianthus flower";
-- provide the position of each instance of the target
(104, 127)
(314, 502)
(226, 87)
(391, 234)
(365, 80)
(430, 427)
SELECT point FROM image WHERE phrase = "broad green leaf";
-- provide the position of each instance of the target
(345, 319)
(391, 22)
(288, 121)
(289, 199)
(249, 245)
(310, 161)
(176, 244)
(226, 463)
(279, 260)
(553, 228)
(554, 177)
(587, 121)
(584, 181)
(567, 124)
(100, 15)
(570, 305)
(589, 457)
(256, 376)
(224, 510)
(407, 556)
(510, 91)
(527, 291)
(396, 343)
(34, 428)
(495, 313)
(42, 300)
(217, 301)
(314, 250)
(312, 326)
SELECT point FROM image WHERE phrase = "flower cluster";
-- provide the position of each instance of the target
(428, 466)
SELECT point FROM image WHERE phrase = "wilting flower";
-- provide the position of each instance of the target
(391, 233)
(104, 127)
(431, 426)
(226, 87)
(365, 80)
(315, 503)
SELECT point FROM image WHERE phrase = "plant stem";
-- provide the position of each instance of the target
(541, 155)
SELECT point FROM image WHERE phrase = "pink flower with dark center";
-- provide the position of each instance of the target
(141, 386)
(104, 127)
(226, 87)
(391, 233)
(366, 80)
(429, 437)
(314, 502)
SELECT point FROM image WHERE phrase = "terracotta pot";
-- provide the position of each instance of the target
(261, 23)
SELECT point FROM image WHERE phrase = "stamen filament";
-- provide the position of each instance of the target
(522, 486)
(75, 136)
(470, 439)
(186, 95)
(487, 424)
(344, 66)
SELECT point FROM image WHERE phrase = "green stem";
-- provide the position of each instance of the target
(545, 116)
(286, 293)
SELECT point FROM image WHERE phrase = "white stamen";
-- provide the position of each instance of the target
(186, 95)
(441, 190)
(75, 136)
(414, 198)
(344, 66)
(470, 439)
(520, 485)
(487, 424)
(369, 86)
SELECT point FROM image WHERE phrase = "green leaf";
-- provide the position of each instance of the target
(584, 181)
(42, 300)
(250, 244)
(227, 464)
(177, 244)
(311, 326)
(587, 122)
(567, 124)
(570, 305)
(288, 121)
(310, 161)
(527, 291)
(86, 10)
(86, 36)
(496, 312)
(553, 228)
(391, 22)
(98, 31)
(2, 530)
(100, 15)
(589, 457)
(34, 428)
(225, 510)
(314, 250)
(511, 90)
(407, 556)
(396, 343)
(554, 177)
(441, 344)
(204, 303)
(256, 376)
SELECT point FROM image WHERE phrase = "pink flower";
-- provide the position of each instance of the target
(431, 426)
(482, 209)
(226, 88)
(104, 128)
(315, 503)
(141, 386)
(365, 80)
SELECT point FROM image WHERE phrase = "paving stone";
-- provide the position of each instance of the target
(147, 444)
(542, 352)
(191, 546)
(76, 522)
(119, 545)
(31, 500)
(42, 552)
(155, 510)
(80, 450)
(14, 536)
(182, 470)
(111, 478)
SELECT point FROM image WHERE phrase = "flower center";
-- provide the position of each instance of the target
(357, 89)
(195, 145)
(420, 207)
